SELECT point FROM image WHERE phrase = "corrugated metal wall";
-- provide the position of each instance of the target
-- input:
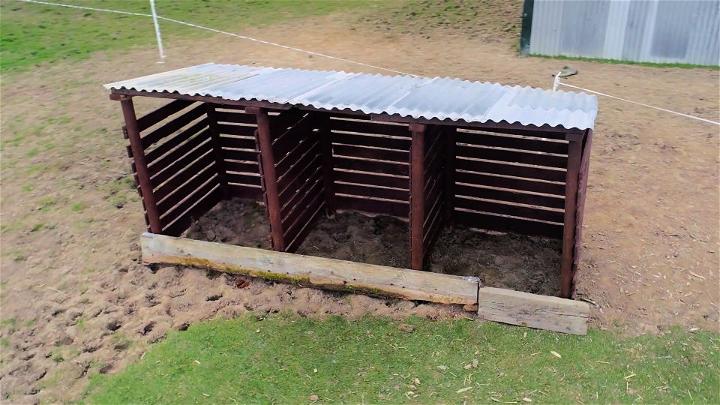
(661, 31)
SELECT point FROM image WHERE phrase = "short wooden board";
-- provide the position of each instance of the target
(310, 270)
(535, 311)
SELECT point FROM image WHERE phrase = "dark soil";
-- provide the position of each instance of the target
(503, 260)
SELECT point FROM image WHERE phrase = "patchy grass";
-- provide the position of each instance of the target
(286, 359)
(627, 62)
(33, 33)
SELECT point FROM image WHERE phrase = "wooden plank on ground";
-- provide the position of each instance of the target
(317, 271)
(535, 311)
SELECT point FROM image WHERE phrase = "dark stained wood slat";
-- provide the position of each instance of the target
(163, 162)
(238, 142)
(173, 126)
(511, 183)
(198, 210)
(310, 185)
(240, 130)
(281, 122)
(291, 168)
(185, 190)
(298, 133)
(291, 161)
(506, 209)
(510, 196)
(298, 240)
(371, 140)
(510, 170)
(307, 201)
(306, 169)
(372, 191)
(371, 153)
(371, 166)
(244, 191)
(204, 164)
(153, 117)
(191, 199)
(498, 140)
(243, 167)
(181, 163)
(252, 180)
(504, 224)
(369, 127)
(512, 156)
(235, 154)
(163, 148)
(235, 117)
(372, 179)
(372, 206)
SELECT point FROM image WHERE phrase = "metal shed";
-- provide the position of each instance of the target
(429, 150)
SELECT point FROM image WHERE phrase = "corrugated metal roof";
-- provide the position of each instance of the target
(408, 96)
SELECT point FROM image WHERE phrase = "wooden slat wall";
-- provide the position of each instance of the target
(370, 165)
(435, 196)
(298, 164)
(236, 134)
(510, 181)
(184, 174)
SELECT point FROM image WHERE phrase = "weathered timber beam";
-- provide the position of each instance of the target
(317, 271)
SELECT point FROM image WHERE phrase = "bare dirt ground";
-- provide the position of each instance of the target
(75, 301)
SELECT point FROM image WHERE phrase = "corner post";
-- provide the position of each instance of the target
(571, 194)
(417, 197)
(141, 167)
(581, 194)
(269, 176)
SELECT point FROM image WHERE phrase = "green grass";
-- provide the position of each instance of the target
(286, 359)
(627, 62)
(31, 34)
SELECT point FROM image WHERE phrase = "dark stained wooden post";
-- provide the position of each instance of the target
(269, 176)
(327, 160)
(417, 194)
(581, 194)
(450, 134)
(217, 149)
(141, 166)
(571, 192)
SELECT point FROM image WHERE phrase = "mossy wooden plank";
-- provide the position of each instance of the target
(316, 271)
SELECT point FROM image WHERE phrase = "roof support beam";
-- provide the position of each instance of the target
(133, 134)
(269, 176)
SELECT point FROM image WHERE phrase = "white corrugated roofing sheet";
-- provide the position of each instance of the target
(408, 96)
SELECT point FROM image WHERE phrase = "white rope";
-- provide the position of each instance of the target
(635, 102)
(556, 81)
